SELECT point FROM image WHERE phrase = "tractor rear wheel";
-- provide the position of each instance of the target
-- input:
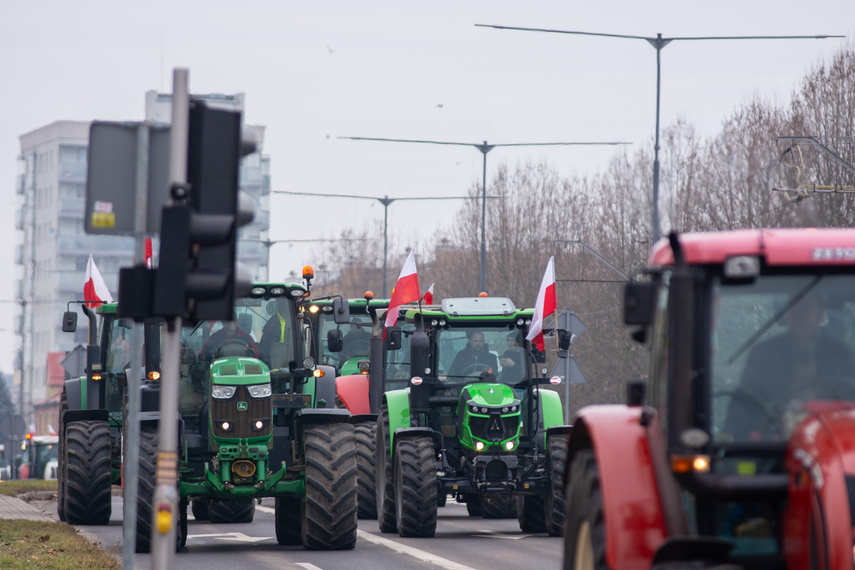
(530, 510)
(289, 520)
(329, 516)
(499, 507)
(415, 487)
(61, 473)
(146, 486)
(585, 538)
(473, 506)
(366, 433)
(199, 508)
(87, 473)
(239, 511)
(385, 484)
(555, 466)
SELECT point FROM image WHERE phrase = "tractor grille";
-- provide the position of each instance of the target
(494, 427)
(241, 421)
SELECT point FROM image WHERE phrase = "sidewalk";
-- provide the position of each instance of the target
(15, 508)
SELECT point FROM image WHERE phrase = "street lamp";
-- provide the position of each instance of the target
(268, 243)
(386, 201)
(658, 43)
(483, 149)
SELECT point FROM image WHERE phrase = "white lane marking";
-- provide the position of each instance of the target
(398, 547)
(411, 551)
(307, 566)
(238, 536)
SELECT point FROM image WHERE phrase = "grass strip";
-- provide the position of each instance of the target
(19, 487)
(28, 544)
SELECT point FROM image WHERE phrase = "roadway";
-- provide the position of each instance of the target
(461, 542)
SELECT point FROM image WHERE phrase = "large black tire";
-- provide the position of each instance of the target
(385, 482)
(61, 473)
(182, 521)
(555, 504)
(499, 507)
(329, 515)
(241, 511)
(585, 536)
(473, 506)
(366, 498)
(530, 513)
(289, 520)
(199, 508)
(415, 487)
(87, 473)
(441, 499)
(146, 487)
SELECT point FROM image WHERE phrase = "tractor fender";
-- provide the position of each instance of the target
(325, 388)
(314, 416)
(635, 522)
(361, 418)
(558, 430)
(73, 388)
(352, 390)
(397, 404)
(551, 411)
(75, 393)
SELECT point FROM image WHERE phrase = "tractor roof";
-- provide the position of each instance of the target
(474, 308)
(778, 247)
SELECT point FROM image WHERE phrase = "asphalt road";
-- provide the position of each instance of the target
(461, 542)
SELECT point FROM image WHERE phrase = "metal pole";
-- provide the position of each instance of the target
(484, 220)
(385, 201)
(166, 493)
(130, 477)
(655, 208)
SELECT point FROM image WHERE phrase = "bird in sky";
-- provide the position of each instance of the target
(439, 105)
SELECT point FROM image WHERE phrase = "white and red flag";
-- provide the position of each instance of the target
(406, 290)
(148, 262)
(95, 291)
(545, 306)
(428, 296)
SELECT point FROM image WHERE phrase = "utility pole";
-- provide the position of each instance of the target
(658, 43)
(483, 149)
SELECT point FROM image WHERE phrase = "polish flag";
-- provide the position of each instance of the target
(545, 306)
(406, 290)
(50, 429)
(148, 263)
(428, 296)
(95, 291)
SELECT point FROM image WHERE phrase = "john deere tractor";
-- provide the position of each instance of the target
(472, 423)
(257, 420)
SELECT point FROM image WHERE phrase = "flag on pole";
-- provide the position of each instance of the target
(545, 306)
(428, 296)
(406, 290)
(50, 429)
(95, 291)
(148, 262)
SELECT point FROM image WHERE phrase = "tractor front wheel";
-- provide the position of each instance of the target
(500, 507)
(87, 473)
(585, 538)
(555, 466)
(530, 510)
(385, 483)
(329, 516)
(366, 433)
(240, 511)
(199, 508)
(415, 487)
(61, 474)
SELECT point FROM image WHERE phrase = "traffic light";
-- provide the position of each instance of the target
(196, 277)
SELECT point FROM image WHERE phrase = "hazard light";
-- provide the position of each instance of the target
(742, 267)
(690, 463)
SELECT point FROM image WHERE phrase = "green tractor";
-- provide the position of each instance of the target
(257, 420)
(351, 352)
(90, 418)
(473, 422)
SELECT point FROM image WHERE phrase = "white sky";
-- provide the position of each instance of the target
(391, 64)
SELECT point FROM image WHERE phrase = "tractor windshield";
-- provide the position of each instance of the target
(464, 353)
(355, 338)
(781, 346)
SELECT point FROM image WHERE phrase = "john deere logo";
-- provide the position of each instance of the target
(242, 406)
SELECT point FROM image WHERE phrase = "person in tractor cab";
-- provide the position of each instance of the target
(230, 340)
(474, 358)
(512, 360)
(802, 363)
(275, 331)
(356, 342)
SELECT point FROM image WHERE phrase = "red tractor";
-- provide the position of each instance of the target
(739, 449)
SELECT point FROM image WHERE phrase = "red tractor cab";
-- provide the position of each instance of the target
(738, 450)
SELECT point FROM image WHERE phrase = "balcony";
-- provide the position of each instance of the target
(72, 171)
(72, 207)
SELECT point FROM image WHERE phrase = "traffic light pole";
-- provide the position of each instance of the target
(166, 494)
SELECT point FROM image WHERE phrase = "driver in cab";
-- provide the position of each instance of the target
(229, 334)
(474, 358)
(801, 363)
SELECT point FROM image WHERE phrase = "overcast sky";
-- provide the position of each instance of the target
(314, 71)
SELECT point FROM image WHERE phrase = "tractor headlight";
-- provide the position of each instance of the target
(514, 408)
(479, 446)
(259, 424)
(509, 445)
(223, 392)
(226, 426)
(505, 410)
(260, 390)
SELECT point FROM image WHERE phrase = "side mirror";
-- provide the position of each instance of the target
(69, 321)
(639, 300)
(393, 338)
(341, 311)
(335, 341)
